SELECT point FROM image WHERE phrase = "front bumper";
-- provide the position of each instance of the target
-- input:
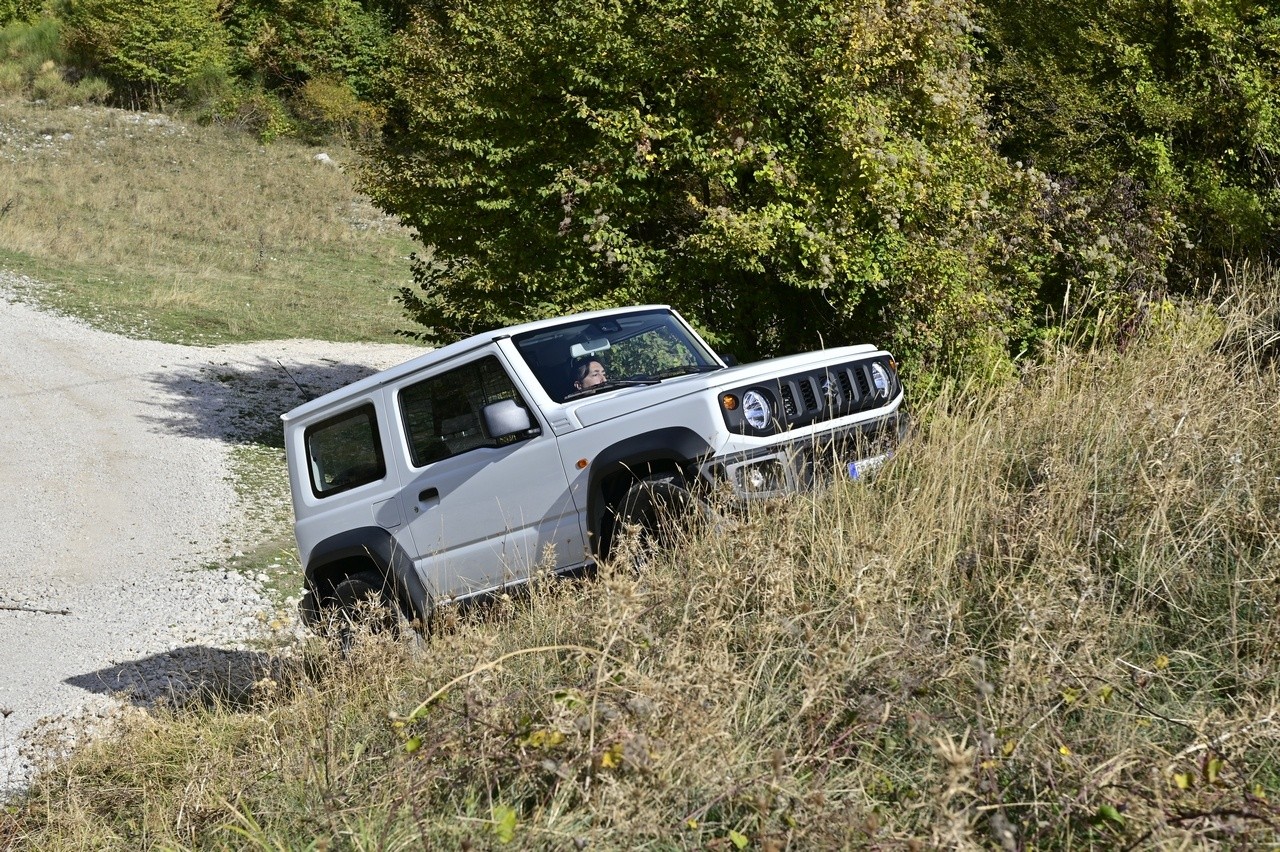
(790, 466)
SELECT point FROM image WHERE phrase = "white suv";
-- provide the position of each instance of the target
(456, 473)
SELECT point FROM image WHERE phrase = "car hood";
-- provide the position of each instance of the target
(610, 404)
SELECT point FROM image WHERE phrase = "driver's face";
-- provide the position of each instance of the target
(595, 376)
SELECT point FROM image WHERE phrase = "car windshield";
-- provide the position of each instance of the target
(584, 357)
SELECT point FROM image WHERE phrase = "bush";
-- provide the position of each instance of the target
(20, 10)
(28, 50)
(32, 65)
(257, 112)
(326, 106)
(149, 50)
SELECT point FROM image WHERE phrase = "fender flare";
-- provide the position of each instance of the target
(675, 446)
(377, 547)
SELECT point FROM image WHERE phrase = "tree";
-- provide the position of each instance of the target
(286, 43)
(787, 173)
(149, 50)
(1158, 111)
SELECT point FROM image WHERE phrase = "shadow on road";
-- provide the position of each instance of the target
(241, 399)
(192, 674)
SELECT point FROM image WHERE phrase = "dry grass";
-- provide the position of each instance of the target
(1050, 623)
(154, 227)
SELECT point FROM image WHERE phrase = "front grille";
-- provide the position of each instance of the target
(819, 395)
(828, 393)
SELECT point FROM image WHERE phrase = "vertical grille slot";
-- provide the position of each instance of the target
(788, 400)
(832, 393)
(864, 384)
(846, 387)
(806, 391)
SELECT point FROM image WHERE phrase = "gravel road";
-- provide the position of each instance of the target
(115, 497)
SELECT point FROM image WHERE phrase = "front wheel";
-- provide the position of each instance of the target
(660, 508)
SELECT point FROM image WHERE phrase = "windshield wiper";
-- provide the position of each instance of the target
(686, 369)
(613, 385)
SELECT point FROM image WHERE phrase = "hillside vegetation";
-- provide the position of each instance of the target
(1050, 622)
(151, 226)
(952, 179)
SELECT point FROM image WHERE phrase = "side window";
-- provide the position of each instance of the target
(345, 452)
(442, 414)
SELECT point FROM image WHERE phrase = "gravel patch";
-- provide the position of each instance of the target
(115, 499)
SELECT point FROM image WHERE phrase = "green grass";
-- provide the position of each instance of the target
(1049, 623)
(265, 520)
(154, 228)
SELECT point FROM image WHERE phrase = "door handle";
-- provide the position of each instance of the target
(428, 494)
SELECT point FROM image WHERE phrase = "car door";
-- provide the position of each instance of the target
(482, 510)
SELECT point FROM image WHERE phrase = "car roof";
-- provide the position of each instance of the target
(452, 350)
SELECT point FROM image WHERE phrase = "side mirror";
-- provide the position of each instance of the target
(505, 418)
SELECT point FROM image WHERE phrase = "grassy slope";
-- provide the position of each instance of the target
(1049, 623)
(192, 235)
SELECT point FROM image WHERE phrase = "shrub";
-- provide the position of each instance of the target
(150, 50)
(28, 47)
(20, 10)
(327, 105)
(255, 111)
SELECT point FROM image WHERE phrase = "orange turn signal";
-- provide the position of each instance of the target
(581, 464)
(729, 401)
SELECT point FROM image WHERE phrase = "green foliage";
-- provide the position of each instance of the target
(149, 50)
(285, 43)
(32, 66)
(31, 46)
(252, 110)
(1173, 102)
(327, 104)
(787, 174)
(19, 10)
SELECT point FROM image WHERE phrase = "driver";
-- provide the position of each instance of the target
(588, 373)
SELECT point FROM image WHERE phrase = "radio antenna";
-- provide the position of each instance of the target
(300, 388)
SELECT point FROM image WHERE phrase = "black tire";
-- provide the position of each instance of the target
(661, 507)
(361, 601)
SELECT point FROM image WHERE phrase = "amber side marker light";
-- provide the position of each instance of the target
(581, 464)
(729, 401)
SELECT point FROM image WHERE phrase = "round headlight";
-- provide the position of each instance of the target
(755, 408)
(880, 378)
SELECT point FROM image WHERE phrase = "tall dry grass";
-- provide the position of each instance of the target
(152, 226)
(1049, 623)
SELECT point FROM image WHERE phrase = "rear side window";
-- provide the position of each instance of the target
(345, 452)
(442, 414)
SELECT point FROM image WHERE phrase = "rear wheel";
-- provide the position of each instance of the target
(361, 601)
